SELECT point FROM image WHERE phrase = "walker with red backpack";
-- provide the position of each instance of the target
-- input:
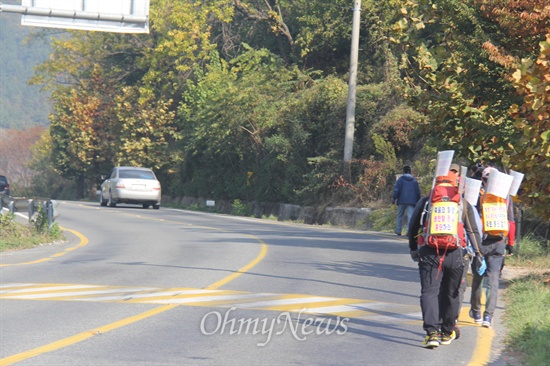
(442, 216)
(443, 228)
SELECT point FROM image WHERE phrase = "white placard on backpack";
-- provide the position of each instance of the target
(444, 161)
(461, 185)
(518, 178)
(499, 183)
(463, 171)
(471, 193)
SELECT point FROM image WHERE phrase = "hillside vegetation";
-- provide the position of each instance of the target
(239, 99)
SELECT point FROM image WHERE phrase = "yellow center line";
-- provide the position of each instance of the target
(126, 321)
(82, 336)
(482, 351)
(484, 341)
(242, 270)
(83, 242)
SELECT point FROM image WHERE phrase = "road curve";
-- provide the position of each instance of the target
(163, 287)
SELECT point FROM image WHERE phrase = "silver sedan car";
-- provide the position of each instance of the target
(132, 185)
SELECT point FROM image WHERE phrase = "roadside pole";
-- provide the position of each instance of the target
(350, 112)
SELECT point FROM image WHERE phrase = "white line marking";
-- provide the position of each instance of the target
(191, 300)
(68, 294)
(51, 288)
(348, 307)
(137, 295)
(18, 285)
(300, 300)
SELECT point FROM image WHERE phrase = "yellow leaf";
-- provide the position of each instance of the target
(517, 75)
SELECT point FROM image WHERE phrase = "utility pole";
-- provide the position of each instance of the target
(350, 112)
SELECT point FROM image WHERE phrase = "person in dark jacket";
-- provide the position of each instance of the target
(440, 275)
(406, 194)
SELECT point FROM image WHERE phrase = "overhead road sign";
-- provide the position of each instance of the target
(121, 16)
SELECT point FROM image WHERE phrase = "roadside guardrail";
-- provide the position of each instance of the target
(33, 206)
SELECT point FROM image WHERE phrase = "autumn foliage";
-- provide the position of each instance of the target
(532, 152)
(521, 22)
(16, 148)
(247, 99)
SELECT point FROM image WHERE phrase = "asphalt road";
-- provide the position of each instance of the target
(171, 287)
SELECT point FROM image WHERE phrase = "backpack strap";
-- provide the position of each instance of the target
(476, 246)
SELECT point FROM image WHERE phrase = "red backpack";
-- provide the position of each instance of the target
(443, 226)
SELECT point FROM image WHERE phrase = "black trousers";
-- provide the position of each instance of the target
(439, 299)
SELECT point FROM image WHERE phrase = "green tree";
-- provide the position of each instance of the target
(452, 80)
(236, 143)
(180, 44)
(146, 131)
(314, 35)
(116, 94)
(47, 182)
(83, 137)
(266, 121)
(459, 60)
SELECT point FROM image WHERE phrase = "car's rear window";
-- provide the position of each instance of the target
(136, 174)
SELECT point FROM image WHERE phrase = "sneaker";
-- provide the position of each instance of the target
(476, 316)
(447, 338)
(431, 340)
(486, 321)
(457, 332)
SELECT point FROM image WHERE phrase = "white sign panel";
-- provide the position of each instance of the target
(121, 16)
(518, 178)
(444, 160)
(499, 183)
(471, 193)
(463, 172)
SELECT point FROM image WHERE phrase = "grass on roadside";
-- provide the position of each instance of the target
(533, 253)
(527, 312)
(15, 236)
(383, 219)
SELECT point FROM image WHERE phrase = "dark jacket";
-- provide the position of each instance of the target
(468, 218)
(406, 190)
